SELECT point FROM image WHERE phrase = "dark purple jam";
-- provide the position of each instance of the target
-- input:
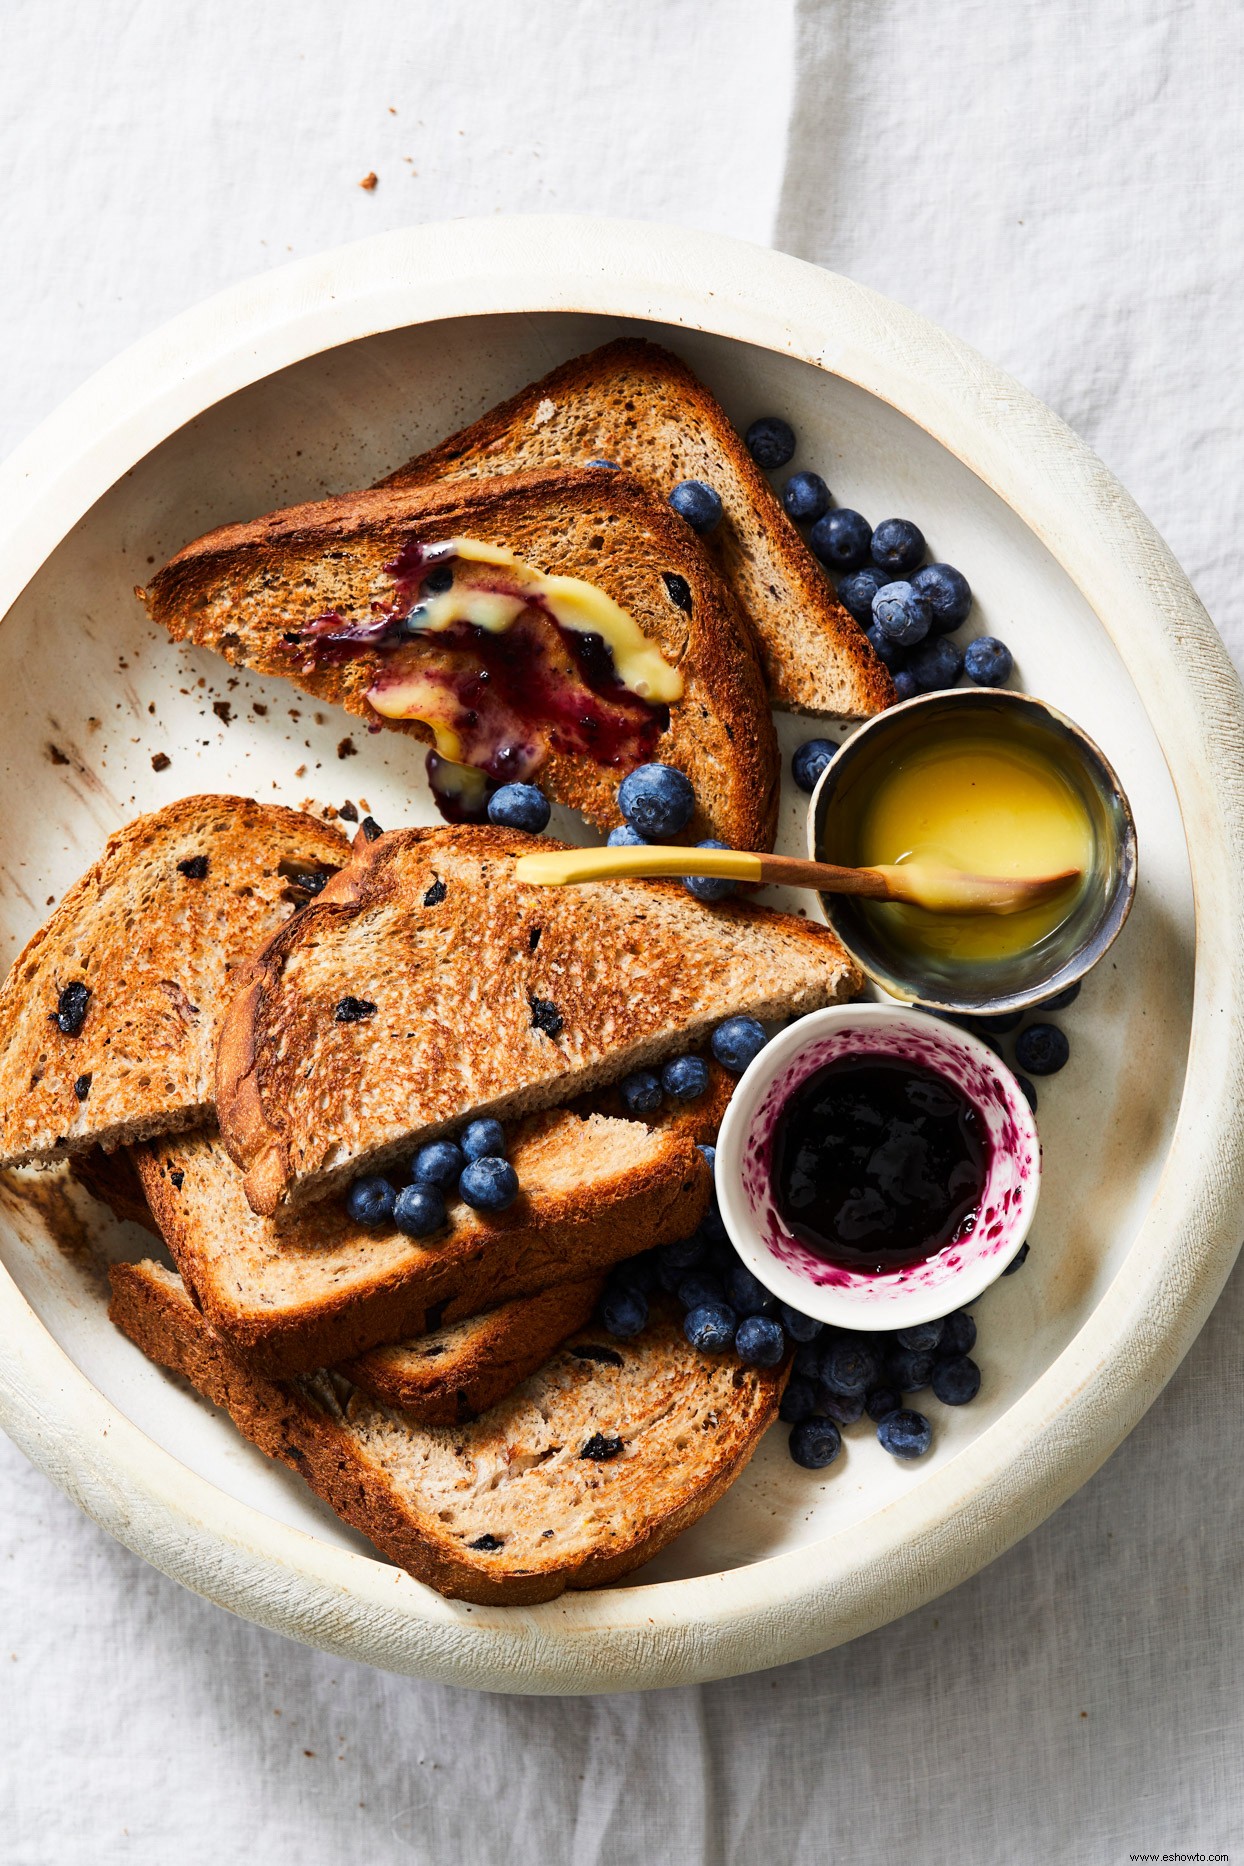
(878, 1163)
(512, 698)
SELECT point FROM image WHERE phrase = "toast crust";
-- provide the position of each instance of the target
(458, 1372)
(632, 971)
(605, 1518)
(636, 403)
(153, 930)
(243, 589)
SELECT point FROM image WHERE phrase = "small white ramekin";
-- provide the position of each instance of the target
(919, 1292)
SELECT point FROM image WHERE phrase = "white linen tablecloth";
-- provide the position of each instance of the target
(1058, 183)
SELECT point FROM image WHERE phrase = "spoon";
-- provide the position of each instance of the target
(937, 889)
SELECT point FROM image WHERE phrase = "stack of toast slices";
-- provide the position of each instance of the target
(173, 1035)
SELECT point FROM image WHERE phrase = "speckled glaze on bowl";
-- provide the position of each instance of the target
(328, 373)
(919, 1292)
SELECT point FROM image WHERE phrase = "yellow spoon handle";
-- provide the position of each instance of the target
(557, 867)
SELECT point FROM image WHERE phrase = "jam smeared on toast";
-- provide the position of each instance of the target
(510, 665)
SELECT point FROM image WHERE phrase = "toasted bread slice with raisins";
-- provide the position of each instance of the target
(484, 995)
(320, 594)
(109, 1017)
(587, 1469)
(635, 403)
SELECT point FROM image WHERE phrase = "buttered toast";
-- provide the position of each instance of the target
(500, 621)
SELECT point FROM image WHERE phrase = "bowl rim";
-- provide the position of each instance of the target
(1107, 928)
(839, 1307)
(955, 1518)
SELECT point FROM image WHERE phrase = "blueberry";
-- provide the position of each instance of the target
(611, 464)
(901, 613)
(747, 1293)
(1062, 999)
(699, 1287)
(897, 546)
(481, 1138)
(814, 1443)
(848, 1367)
(856, 592)
(419, 1210)
(809, 760)
(905, 1434)
(370, 1200)
(685, 1078)
(842, 1408)
(519, 806)
(635, 1273)
(906, 686)
(909, 1369)
(759, 1341)
(936, 664)
(641, 1092)
(806, 497)
(738, 1042)
(880, 1402)
(997, 1023)
(770, 441)
(656, 800)
(806, 1361)
(715, 1234)
(709, 1152)
(710, 887)
(1041, 1049)
(711, 1327)
(949, 594)
(623, 1311)
(490, 1184)
(1028, 1090)
(438, 1164)
(697, 502)
(956, 1380)
(1019, 1258)
(887, 652)
(798, 1402)
(624, 837)
(799, 1327)
(988, 661)
(682, 1255)
(922, 1338)
(841, 539)
(958, 1333)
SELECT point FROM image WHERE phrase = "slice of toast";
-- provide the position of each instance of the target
(108, 1018)
(490, 996)
(314, 1288)
(459, 1371)
(263, 593)
(588, 1468)
(634, 403)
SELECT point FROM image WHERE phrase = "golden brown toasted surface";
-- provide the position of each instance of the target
(637, 404)
(314, 1287)
(588, 1467)
(146, 943)
(245, 589)
(490, 996)
(459, 1371)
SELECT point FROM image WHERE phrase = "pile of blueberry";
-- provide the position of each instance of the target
(475, 1165)
(908, 608)
(656, 802)
(1039, 1049)
(735, 1043)
(836, 1377)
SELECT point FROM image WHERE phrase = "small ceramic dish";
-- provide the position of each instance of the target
(867, 928)
(918, 1292)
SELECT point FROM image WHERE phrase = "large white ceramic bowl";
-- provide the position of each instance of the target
(321, 377)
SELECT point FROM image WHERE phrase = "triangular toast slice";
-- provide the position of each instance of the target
(462, 1369)
(486, 994)
(589, 1467)
(634, 403)
(320, 594)
(108, 1018)
(315, 1287)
